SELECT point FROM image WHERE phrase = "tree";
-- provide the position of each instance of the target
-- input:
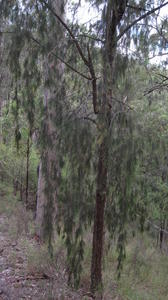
(53, 97)
(115, 15)
(27, 58)
(111, 131)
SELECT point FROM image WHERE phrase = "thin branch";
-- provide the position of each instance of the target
(157, 87)
(136, 7)
(140, 18)
(162, 75)
(159, 31)
(161, 34)
(87, 62)
(64, 62)
(94, 82)
(158, 55)
(157, 227)
(154, 225)
(91, 120)
(123, 103)
(91, 37)
(68, 30)
(72, 68)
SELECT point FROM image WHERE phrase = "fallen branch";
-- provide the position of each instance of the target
(31, 277)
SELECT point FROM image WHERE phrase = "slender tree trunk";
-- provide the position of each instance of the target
(49, 170)
(41, 197)
(1, 139)
(27, 170)
(161, 234)
(14, 187)
(114, 13)
(21, 188)
(97, 250)
(47, 181)
(1, 100)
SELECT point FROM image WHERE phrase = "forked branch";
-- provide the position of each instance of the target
(140, 18)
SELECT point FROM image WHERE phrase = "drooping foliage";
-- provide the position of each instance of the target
(122, 125)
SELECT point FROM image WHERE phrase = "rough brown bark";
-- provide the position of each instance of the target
(27, 170)
(114, 15)
(97, 249)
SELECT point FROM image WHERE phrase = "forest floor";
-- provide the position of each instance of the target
(21, 278)
(27, 271)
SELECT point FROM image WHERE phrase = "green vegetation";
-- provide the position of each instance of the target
(144, 274)
(84, 143)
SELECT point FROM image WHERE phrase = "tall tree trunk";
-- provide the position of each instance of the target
(49, 170)
(114, 13)
(27, 170)
(161, 233)
(21, 188)
(1, 77)
(41, 200)
(97, 250)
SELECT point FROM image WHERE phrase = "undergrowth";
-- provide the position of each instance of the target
(144, 275)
